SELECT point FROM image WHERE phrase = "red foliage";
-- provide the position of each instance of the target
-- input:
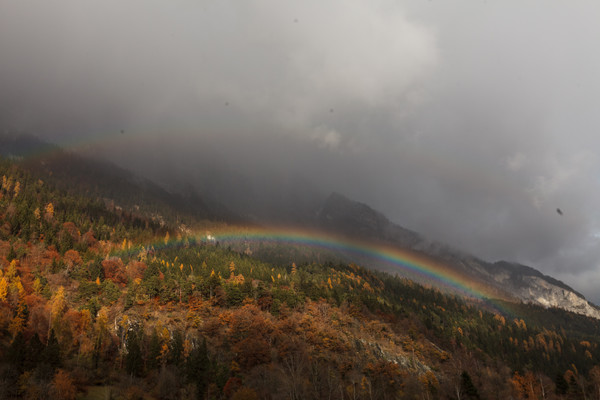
(114, 270)
(252, 351)
(72, 230)
(72, 258)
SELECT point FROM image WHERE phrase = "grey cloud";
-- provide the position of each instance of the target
(468, 121)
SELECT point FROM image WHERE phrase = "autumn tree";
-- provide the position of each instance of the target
(114, 270)
(63, 387)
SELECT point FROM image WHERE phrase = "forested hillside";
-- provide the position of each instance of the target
(98, 303)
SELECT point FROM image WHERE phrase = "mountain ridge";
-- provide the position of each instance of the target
(344, 216)
(122, 189)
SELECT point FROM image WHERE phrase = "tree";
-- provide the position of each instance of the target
(595, 380)
(468, 387)
(17, 352)
(176, 348)
(133, 359)
(197, 367)
(51, 354)
(252, 351)
(3, 288)
(154, 348)
(34, 349)
(63, 387)
(245, 393)
(562, 386)
(49, 211)
(59, 306)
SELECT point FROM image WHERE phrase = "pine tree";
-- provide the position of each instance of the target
(468, 387)
(154, 351)
(562, 386)
(133, 359)
(51, 354)
(34, 349)
(176, 348)
(17, 352)
(197, 368)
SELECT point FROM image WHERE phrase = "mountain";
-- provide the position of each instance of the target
(294, 202)
(118, 187)
(510, 280)
(96, 302)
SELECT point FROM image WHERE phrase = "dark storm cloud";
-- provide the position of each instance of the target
(468, 121)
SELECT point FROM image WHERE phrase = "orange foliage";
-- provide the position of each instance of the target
(526, 386)
(72, 258)
(63, 386)
(114, 270)
(135, 270)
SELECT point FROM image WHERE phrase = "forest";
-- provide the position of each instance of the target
(99, 301)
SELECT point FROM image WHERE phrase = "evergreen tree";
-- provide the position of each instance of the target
(133, 359)
(562, 386)
(176, 348)
(197, 367)
(51, 354)
(153, 351)
(468, 387)
(17, 352)
(35, 348)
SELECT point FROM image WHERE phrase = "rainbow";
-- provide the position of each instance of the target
(393, 259)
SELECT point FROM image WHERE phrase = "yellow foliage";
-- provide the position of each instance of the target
(49, 209)
(86, 319)
(11, 271)
(59, 304)
(3, 288)
(37, 285)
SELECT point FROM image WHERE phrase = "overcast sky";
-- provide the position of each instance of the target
(468, 121)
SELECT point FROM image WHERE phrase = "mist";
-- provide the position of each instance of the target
(469, 122)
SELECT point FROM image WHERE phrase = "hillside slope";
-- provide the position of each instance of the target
(117, 186)
(96, 300)
(511, 280)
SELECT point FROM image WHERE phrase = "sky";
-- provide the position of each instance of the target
(471, 122)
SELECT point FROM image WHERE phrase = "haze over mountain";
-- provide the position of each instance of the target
(121, 190)
(468, 122)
